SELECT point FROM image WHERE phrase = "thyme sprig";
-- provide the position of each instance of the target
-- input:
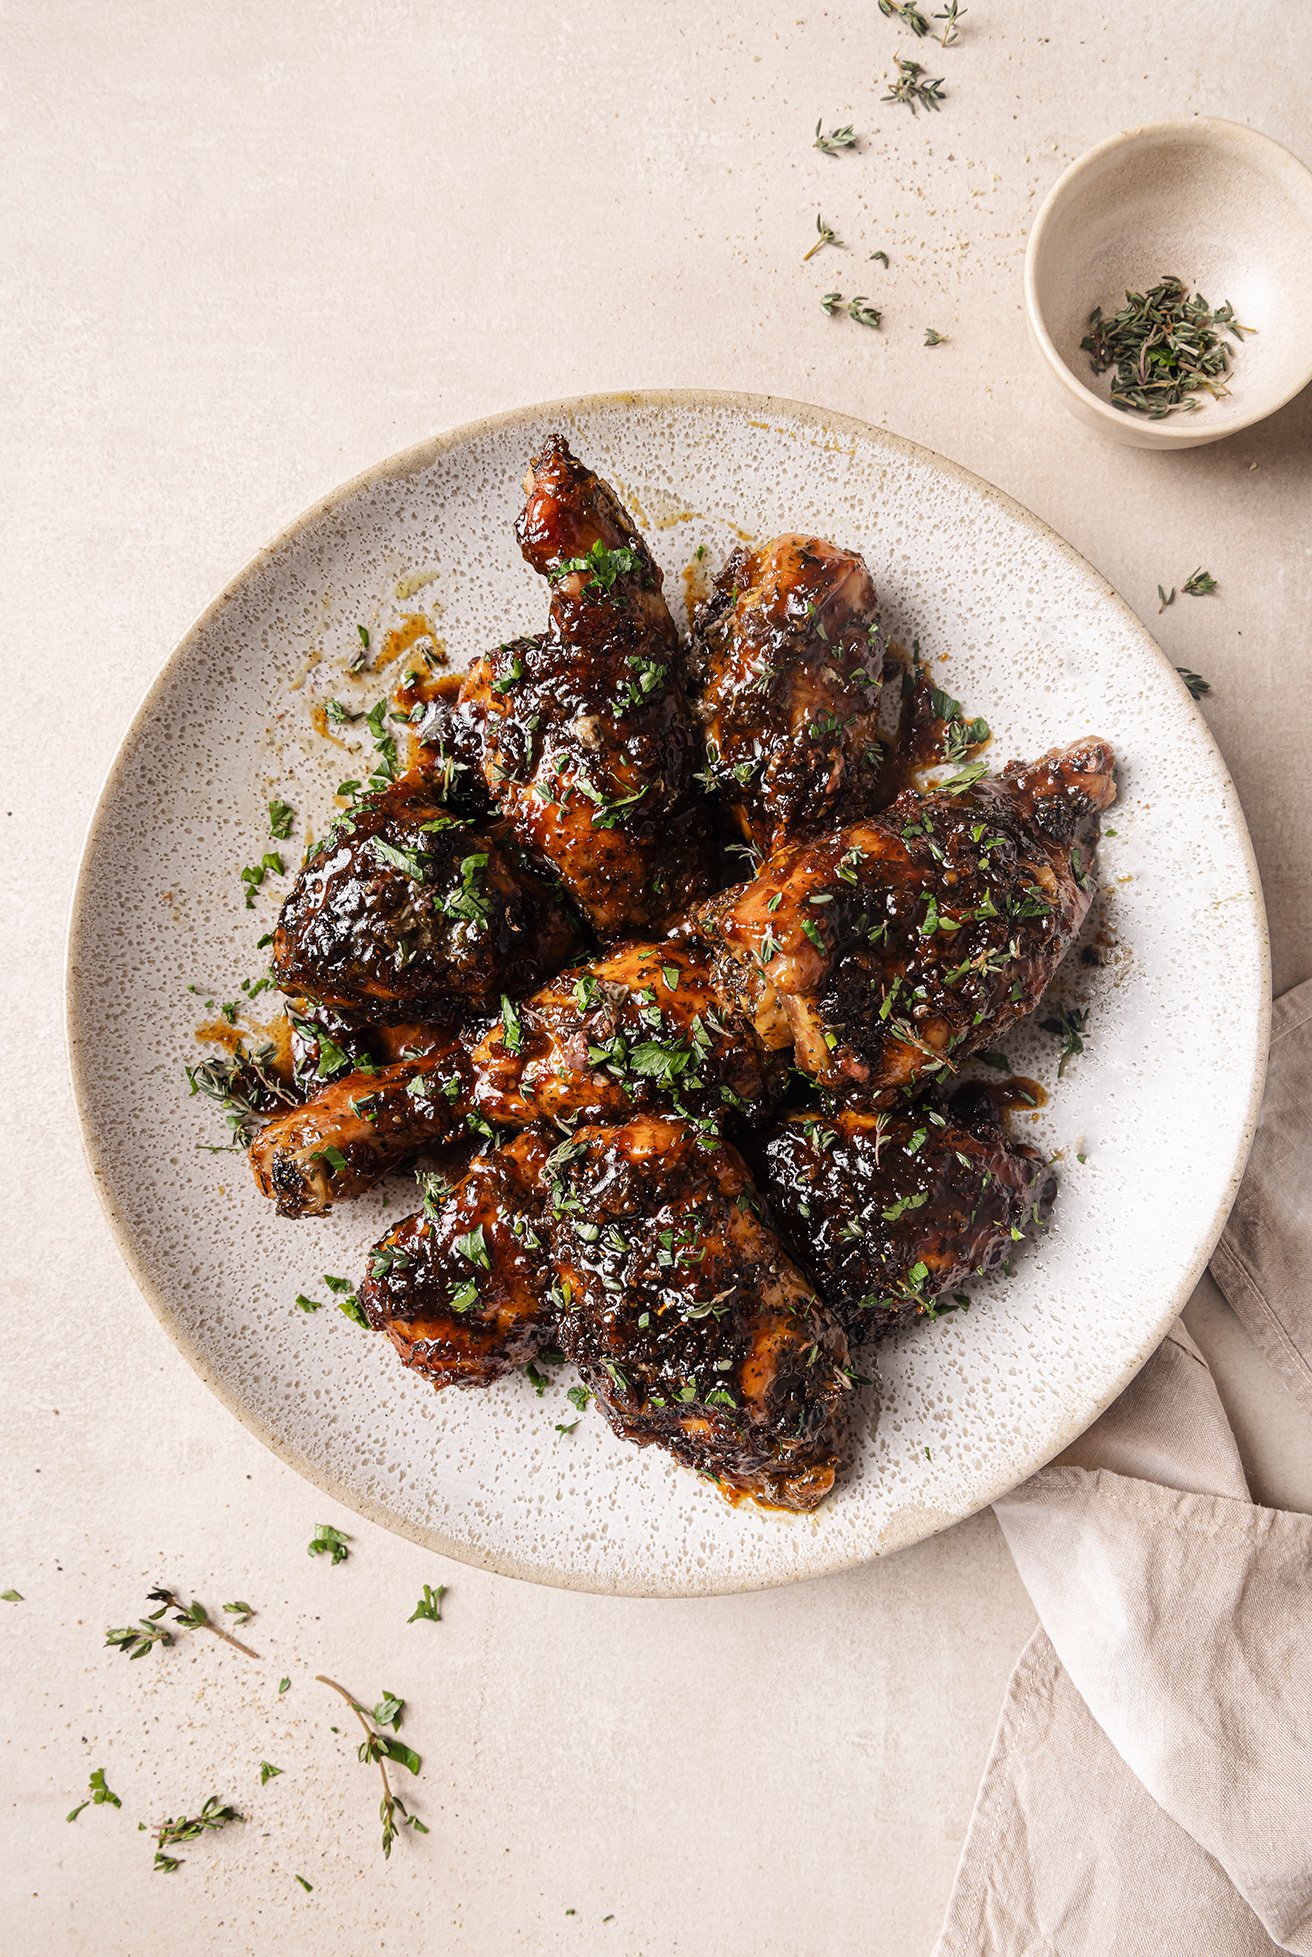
(380, 1747)
(933, 339)
(832, 141)
(1199, 584)
(826, 235)
(951, 32)
(914, 87)
(190, 1827)
(858, 308)
(909, 15)
(1195, 682)
(1166, 347)
(1069, 1025)
(137, 1639)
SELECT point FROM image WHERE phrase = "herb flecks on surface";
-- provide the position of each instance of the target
(137, 1639)
(1165, 347)
(826, 235)
(330, 1542)
(831, 142)
(99, 1794)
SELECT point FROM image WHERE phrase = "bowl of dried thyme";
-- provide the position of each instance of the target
(1168, 282)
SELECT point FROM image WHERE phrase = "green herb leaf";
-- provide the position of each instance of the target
(429, 1606)
(330, 1542)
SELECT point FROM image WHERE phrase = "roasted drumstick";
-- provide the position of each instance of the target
(589, 747)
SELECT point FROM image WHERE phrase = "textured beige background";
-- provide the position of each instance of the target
(249, 249)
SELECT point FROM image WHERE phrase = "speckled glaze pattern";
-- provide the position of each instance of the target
(1160, 1106)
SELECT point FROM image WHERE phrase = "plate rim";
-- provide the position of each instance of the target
(406, 461)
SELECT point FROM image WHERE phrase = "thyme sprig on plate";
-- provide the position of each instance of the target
(380, 1747)
(1069, 1025)
(1165, 347)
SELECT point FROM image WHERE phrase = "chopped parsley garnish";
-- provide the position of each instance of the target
(280, 819)
(330, 1542)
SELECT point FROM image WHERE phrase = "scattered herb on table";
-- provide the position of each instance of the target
(11, 1596)
(933, 339)
(1068, 1025)
(137, 1639)
(857, 308)
(429, 1606)
(1195, 682)
(1165, 598)
(882, 257)
(1199, 584)
(214, 1814)
(327, 1541)
(308, 1887)
(832, 141)
(909, 15)
(284, 1684)
(268, 1772)
(380, 1747)
(826, 235)
(1166, 347)
(914, 87)
(99, 1795)
(950, 16)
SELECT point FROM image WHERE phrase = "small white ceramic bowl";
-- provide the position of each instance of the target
(1218, 205)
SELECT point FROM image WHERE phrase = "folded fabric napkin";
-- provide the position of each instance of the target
(1149, 1790)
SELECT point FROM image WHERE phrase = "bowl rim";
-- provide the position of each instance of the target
(1223, 131)
(78, 1043)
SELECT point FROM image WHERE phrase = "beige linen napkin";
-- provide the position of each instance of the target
(1149, 1790)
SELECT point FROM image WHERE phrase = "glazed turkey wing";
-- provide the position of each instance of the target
(892, 1212)
(785, 671)
(405, 910)
(685, 1316)
(887, 951)
(462, 1288)
(639, 1028)
(589, 747)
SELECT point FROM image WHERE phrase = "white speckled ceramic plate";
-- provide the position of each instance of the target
(1152, 1122)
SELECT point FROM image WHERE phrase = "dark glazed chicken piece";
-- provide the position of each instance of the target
(785, 674)
(461, 1288)
(889, 950)
(639, 1028)
(449, 738)
(589, 747)
(358, 1126)
(686, 1317)
(404, 910)
(891, 1212)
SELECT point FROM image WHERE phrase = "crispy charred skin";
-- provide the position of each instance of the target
(461, 1289)
(889, 950)
(785, 674)
(357, 1127)
(404, 910)
(892, 1212)
(685, 1316)
(589, 747)
(639, 1028)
